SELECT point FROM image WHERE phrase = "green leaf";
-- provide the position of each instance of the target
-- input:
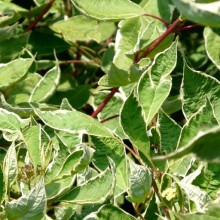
(64, 212)
(86, 175)
(83, 28)
(114, 149)
(201, 13)
(32, 140)
(134, 125)
(111, 212)
(71, 164)
(104, 182)
(126, 43)
(29, 206)
(194, 95)
(169, 132)
(10, 167)
(72, 122)
(155, 84)
(46, 86)
(8, 32)
(14, 47)
(200, 121)
(7, 7)
(21, 91)
(69, 140)
(140, 183)
(24, 109)
(208, 180)
(116, 77)
(199, 197)
(213, 213)
(199, 147)
(2, 185)
(12, 72)
(59, 187)
(212, 41)
(113, 10)
(10, 122)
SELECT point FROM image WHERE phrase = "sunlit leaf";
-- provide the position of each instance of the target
(72, 122)
(12, 72)
(155, 84)
(114, 10)
(105, 182)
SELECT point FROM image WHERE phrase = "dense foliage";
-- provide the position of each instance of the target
(109, 109)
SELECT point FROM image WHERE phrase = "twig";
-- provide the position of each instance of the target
(158, 18)
(77, 61)
(104, 102)
(133, 153)
(156, 190)
(40, 16)
(159, 40)
(136, 209)
(109, 118)
(187, 27)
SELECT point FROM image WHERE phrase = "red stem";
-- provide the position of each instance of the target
(160, 19)
(150, 49)
(104, 103)
(159, 40)
(40, 16)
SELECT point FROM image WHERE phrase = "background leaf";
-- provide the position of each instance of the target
(110, 212)
(83, 28)
(202, 13)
